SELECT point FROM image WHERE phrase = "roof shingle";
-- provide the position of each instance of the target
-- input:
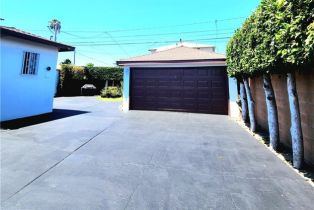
(177, 54)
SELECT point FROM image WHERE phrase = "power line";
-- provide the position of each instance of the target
(156, 34)
(132, 40)
(113, 39)
(149, 28)
(93, 58)
(158, 27)
(74, 35)
(154, 42)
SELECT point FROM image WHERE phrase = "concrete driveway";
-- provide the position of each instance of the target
(89, 155)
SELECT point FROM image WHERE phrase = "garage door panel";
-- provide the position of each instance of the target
(217, 83)
(203, 93)
(151, 83)
(216, 71)
(189, 83)
(204, 100)
(189, 106)
(203, 83)
(138, 93)
(162, 85)
(202, 72)
(200, 89)
(150, 92)
(176, 94)
(189, 93)
(175, 84)
(204, 107)
(189, 72)
(162, 104)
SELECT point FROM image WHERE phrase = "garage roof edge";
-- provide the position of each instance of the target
(123, 63)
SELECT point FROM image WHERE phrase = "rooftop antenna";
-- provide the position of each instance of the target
(180, 41)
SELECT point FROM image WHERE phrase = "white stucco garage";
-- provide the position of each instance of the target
(184, 77)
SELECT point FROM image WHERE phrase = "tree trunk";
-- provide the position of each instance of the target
(272, 113)
(296, 129)
(243, 102)
(250, 105)
(106, 84)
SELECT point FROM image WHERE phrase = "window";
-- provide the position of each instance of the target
(30, 63)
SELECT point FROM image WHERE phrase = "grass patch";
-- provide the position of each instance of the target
(110, 99)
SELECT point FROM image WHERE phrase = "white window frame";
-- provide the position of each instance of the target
(30, 63)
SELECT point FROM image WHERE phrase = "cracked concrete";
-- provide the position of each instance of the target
(104, 159)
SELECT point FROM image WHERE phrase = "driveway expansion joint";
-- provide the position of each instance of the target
(57, 163)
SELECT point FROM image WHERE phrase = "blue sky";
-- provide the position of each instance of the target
(104, 31)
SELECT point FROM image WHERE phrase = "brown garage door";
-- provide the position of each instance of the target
(200, 90)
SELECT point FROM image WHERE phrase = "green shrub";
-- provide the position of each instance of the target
(78, 73)
(104, 73)
(72, 78)
(111, 92)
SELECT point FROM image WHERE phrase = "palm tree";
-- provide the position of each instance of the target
(55, 27)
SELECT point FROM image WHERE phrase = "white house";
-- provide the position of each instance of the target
(28, 73)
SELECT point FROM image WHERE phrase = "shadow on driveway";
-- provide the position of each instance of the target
(28, 121)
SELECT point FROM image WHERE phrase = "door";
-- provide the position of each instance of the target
(199, 90)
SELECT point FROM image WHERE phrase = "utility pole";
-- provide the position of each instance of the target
(55, 35)
(74, 52)
(55, 27)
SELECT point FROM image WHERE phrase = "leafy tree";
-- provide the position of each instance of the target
(66, 61)
(89, 65)
(264, 62)
(294, 21)
(239, 54)
(234, 52)
(294, 34)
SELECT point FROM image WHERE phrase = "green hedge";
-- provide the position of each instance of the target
(277, 37)
(72, 78)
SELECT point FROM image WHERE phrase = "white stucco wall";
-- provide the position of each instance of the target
(233, 97)
(26, 95)
(126, 89)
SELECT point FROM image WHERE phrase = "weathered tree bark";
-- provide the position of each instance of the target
(296, 129)
(250, 105)
(272, 113)
(243, 102)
